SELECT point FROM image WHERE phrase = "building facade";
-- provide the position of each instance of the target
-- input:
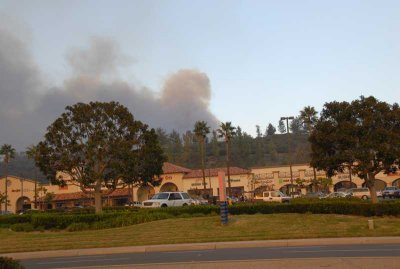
(21, 191)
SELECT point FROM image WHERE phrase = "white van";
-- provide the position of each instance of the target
(362, 193)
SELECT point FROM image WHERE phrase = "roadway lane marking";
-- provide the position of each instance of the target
(92, 260)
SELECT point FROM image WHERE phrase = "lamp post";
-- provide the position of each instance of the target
(289, 151)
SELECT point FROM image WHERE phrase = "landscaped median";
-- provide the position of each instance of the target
(300, 219)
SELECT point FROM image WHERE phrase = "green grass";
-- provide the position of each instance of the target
(203, 229)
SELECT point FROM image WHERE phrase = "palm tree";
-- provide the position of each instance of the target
(309, 117)
(201, 130)
(31, 153)
(9, 153)
(227, 131)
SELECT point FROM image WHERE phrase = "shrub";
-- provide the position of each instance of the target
(8, 263)
(80, 226)
(22, 227)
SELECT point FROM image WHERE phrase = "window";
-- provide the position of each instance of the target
(161, 196)
(185, 195)
(175, 196)
(266, 194)
(275, 194)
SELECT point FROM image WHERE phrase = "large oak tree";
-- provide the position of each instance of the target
(100, 147)
(363, 135)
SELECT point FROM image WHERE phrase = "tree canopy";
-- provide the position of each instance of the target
(363, 136)
(100, 146)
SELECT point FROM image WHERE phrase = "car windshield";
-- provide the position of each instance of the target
(160, 196)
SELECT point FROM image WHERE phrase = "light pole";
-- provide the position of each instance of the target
(289, 152)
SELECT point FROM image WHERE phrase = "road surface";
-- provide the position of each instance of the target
(346, 256)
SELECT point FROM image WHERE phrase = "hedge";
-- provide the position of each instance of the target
(8, 263)
(111, 219)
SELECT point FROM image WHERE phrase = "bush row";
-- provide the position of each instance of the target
(112, 219)
(322, 207)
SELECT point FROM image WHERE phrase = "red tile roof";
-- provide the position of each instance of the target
(169, 168)
(214, 172)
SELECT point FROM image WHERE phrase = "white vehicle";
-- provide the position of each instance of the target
(273, 196)
(336, 195)
(362, 193)
(168, 199)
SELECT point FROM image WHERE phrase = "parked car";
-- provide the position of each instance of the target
(389, 192)
(362, 193)
(199, 201)
(134, 204)
(273, 196)
(168, 199)
(3, 212)
(313, 195)
(336, 195)
(396, 194)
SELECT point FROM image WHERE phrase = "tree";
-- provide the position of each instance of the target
(227, 131)
(215, 145)
(32, 153)
(201, 130)
(9, 153)
(282, 127)
(309, 117)
(100, 147)
(175, 147)
(258, 131)
(3, 199)
(271, 130)
(363, 134)
(296, 126)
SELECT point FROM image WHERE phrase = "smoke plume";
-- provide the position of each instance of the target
(28, 104)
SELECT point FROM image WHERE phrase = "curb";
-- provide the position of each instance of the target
(206, 246)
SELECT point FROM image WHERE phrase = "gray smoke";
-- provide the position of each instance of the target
(28, 105)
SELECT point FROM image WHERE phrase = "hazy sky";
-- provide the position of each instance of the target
(263, 59)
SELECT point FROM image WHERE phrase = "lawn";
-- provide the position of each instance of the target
(203, 229)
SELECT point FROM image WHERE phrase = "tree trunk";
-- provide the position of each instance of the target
(228, 168)
(370, 182)
(202, 165)
(36, 194)
(315, 180)
(6, 188)
(97, 198)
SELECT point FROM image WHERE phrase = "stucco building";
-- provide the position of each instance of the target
(21, 191)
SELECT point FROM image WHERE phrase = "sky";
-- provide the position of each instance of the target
(248, 62)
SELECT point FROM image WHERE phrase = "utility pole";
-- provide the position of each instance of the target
(289, 152)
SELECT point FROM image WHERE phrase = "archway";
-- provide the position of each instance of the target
(379, 184)
(22, 203)
(168, 187)
(289, 188)
(344, 185)
(396, 183)
(145, 193)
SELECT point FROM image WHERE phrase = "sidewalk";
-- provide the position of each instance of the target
(206, 246)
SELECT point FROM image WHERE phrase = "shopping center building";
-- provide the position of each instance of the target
(246, 182)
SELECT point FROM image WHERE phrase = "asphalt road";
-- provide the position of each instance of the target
(218, 255)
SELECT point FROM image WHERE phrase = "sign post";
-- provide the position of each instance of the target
(222, 198)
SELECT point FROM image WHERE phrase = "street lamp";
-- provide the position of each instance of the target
(289, 151)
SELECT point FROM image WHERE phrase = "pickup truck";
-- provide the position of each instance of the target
(273, 196)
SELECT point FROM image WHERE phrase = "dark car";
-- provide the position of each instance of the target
(389, 192)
